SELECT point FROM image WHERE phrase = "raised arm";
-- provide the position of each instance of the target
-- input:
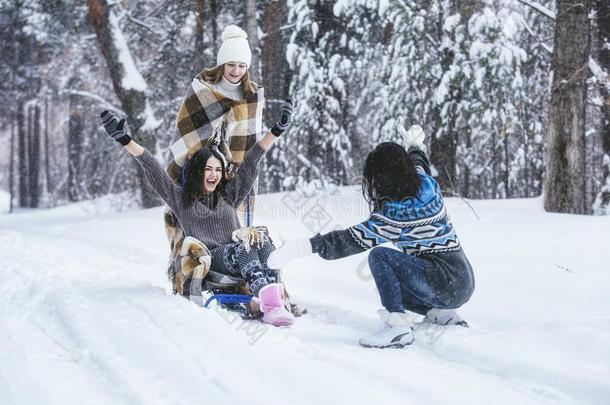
(413, 142)
(156, 176)
(242, 183)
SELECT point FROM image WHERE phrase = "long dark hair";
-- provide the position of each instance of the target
(389, 175)
(193, 184)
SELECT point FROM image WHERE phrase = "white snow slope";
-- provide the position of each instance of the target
(86, 317)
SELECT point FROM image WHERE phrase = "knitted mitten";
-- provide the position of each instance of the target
(285, 119)
(414, 137)
(115, 129)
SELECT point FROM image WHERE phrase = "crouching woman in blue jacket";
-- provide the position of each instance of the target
(429, 273)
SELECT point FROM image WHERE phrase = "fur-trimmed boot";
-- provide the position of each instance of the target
(274, 312)
(397, 331)
(444, 317)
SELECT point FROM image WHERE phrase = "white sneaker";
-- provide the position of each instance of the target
(397, 331)
(444, 317)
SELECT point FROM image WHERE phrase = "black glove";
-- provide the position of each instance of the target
(285, 119)
(116, 129)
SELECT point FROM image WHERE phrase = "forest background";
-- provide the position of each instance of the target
(492, 82)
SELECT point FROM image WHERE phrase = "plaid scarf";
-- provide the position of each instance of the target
(207, 116)
(205, 113)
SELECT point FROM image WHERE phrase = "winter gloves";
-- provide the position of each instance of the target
(414, 137)
(115, 129)
(285, 119)
(289, 250)
(252, 236)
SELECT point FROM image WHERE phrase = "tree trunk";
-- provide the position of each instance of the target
(603, 24)
(252, 30)
(11, 170)
(75, 148)
(34, 157)
(128, 84)
(29, 142)
(214, 21)
(22, 156)
(443, 151)
(199, 31)
(565, 186)
(273, 68)
(47, 150)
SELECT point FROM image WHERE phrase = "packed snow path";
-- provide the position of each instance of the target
(86, 316)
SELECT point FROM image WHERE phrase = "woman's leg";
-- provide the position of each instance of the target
(401, 281)
(235, 260)
(265, 250)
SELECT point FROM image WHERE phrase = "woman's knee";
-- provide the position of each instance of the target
(379, 253)
(378, 259)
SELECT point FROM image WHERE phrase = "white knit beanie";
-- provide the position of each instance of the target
(235, 47)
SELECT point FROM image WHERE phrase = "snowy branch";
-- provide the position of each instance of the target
(544, 46)
(143, 24)
(103, 103)
(599, 73)
(540, 8)
(284, 28)
(132, 79)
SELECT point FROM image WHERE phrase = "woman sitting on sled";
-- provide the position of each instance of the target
(205, 208)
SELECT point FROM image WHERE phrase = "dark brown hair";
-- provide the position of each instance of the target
(193, 185)
(389, 175)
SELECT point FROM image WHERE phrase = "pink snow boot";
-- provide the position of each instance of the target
(271, 299)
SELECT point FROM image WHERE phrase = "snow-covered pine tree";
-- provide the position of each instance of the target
(536, 33)
(493, 91)
(315, 54)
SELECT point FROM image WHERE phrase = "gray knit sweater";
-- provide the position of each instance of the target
(214, 226)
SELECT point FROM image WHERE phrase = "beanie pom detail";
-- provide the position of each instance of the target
(233, 31)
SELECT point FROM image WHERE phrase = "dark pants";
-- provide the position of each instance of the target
(250, 264)
(401, 281)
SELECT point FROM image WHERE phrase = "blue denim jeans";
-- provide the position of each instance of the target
(401, 281)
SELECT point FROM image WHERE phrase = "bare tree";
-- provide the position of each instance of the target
(47, 151)
(565, 186)
(199, 32)
(128, 83)
(75, 129)
(22, 155)
(252, 30)
(214, 10)
(11, 170)
(34, 156)
(275, 77)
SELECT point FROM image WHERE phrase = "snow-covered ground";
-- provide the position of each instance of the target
(86, 317)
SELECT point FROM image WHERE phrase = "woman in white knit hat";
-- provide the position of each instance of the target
(222, 110)
(230, 76)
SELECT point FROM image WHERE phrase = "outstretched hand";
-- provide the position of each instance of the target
(285, 119)
(289, 250)
(115, 129)
(414, 137)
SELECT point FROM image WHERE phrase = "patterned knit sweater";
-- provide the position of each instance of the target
(212, 226)
(418, 226)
